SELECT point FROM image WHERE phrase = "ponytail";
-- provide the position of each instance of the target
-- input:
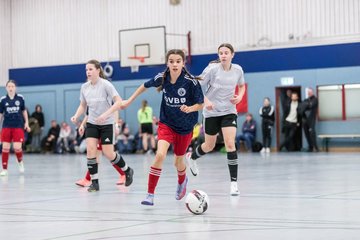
(102, 74)
(144, 105)
(165, 73)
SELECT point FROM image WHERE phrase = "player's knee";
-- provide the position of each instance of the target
(178, 162)
(229, 143)
(159, 157)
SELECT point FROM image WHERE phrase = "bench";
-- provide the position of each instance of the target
(326, 138)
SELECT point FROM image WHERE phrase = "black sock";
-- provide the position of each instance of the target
(197, 153)
(93, 169)
(233, 165)
(119, 161)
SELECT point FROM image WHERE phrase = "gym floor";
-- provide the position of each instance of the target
(283, 196)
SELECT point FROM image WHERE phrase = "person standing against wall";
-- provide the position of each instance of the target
(12, 109)
(145, 118)
(36, 136)
(267, 122)
(310, 107)
(292, 122)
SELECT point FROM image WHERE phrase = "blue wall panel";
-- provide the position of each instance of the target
(328, 56)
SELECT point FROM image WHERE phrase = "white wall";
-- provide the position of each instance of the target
(53, 32)
(5, 46)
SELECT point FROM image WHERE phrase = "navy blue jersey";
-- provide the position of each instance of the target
(12, 110)
(185, 91)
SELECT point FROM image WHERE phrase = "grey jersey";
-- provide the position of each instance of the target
(219, 87)
(98, 98)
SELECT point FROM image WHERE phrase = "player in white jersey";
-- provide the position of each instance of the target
(102, 100)
(220, 79)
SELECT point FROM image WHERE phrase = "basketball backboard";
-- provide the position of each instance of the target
(142, 46)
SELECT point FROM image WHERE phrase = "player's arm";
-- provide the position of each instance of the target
(138, 91)
(26, 119)
(82, 126)
(237, 98)
(116, 120)
(114, 108)
(193, 108)
(198, 98)
(80, 111)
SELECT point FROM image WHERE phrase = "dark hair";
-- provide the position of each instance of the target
(144, 104)
(97, 65)
(10, 81)
(167, 70)
(227, 45)
(38, 106)
(267, 98)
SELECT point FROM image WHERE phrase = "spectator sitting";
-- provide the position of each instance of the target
(76, 141)
(48, 143)
(248, 132)
(125, 143)
(62, 143)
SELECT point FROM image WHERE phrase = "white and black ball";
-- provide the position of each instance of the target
(197, 202)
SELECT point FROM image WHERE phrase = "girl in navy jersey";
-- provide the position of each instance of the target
(12, 109)
(220, 79)
(102, 100)
(181, 99)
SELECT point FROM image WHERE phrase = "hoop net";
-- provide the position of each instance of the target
(135, 67)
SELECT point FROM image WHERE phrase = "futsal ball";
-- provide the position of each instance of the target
(197, 202)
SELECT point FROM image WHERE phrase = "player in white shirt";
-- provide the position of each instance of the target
(220, 79)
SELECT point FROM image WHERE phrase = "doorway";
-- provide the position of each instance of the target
(281, 95)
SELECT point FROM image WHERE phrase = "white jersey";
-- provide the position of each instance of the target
(99, 98)
(219, 87)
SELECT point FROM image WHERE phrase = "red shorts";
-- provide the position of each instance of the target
(99, 146)
(12, 135)
(180, 142)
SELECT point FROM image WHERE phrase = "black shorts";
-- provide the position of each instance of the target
(147, 128)
(213, 125)
(103, 132)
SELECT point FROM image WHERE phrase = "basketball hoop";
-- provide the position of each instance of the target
(141, 59)
(135, 67)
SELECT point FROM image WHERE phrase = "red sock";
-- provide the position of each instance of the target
(121, 172)
(5, 158)
(154, 176)
(19, 154)
(87, 176)
(181, 176)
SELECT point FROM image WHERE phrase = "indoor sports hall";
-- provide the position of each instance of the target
(295, 103)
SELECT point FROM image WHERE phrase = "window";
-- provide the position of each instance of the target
(352, 100)
(339, 102)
